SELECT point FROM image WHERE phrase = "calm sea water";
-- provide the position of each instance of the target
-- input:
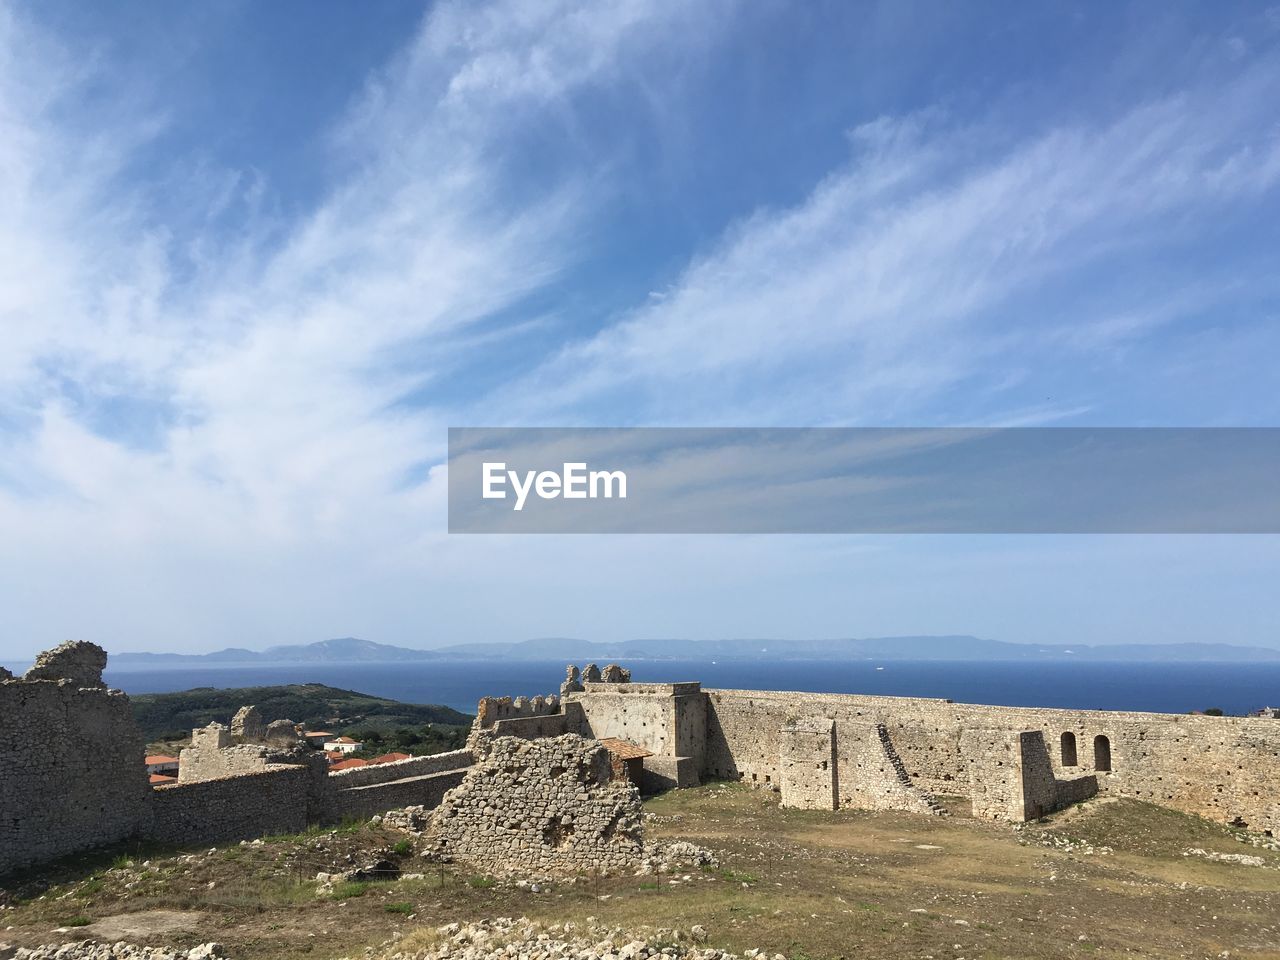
(1172, 688)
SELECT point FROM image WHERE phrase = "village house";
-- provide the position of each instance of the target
(390, 758)
(347, 765)
(343, 745)
(159, 764)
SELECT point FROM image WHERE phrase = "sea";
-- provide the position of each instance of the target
(1235, 688)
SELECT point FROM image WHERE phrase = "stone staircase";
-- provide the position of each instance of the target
(924, 798)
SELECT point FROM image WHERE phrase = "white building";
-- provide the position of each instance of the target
(160, 764)
(343, 745)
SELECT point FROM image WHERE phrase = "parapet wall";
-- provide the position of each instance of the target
(72, 774)
(398, 770)
(425, 790)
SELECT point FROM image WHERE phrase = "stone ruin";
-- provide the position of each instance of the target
(76, 661)
(72, 774)
(248, 726)
(541, 806)
(249, 745)
(591, 673)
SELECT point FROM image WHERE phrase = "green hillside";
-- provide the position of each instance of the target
(168, 716)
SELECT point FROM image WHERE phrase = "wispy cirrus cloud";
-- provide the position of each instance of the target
(906, 272)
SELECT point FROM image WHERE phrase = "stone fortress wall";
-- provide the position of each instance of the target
(74, 778)
(836, 750)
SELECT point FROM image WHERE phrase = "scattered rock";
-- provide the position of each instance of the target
(1244, 859)
(93, 950)
(505, 937)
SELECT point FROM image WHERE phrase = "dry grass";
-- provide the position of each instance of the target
(803, 883)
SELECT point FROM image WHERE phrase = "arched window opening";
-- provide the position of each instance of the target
(1069, 750)
(1101, 753)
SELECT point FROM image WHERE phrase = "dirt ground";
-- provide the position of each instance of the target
(1107, 879)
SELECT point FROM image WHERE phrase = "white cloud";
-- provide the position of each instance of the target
(278, 492)
(893, 278)
(275, 366)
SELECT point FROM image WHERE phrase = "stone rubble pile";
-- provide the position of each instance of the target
(648, 858)
(526, 940)
(676, 855)
(541, 806)
(92, 950)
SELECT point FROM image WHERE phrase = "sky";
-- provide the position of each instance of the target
(255, 259)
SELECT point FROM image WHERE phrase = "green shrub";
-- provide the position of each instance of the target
(405, 908)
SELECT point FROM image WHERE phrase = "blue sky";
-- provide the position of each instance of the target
(254, 259)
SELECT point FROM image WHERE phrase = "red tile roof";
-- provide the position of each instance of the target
(343, 740)
(348, 764)
(158, 778)
(334, 755)
(625, 749)
(158, 758)
(390, 758)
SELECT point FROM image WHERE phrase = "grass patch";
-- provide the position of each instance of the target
(348, 825)
(481, 882)
(352, 888)
(403, 848)
(403, 908)
(76, 922)
(733, 876)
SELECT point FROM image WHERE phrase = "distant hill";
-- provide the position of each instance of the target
(171, 715)
(341, 650)
(352, 650)
(944, 648)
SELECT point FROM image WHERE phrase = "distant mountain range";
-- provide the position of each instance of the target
(352, 650)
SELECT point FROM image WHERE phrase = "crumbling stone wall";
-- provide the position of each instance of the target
(72, 775)
(79, 662)
(541, 807)
(248, 725)
(249, 746)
